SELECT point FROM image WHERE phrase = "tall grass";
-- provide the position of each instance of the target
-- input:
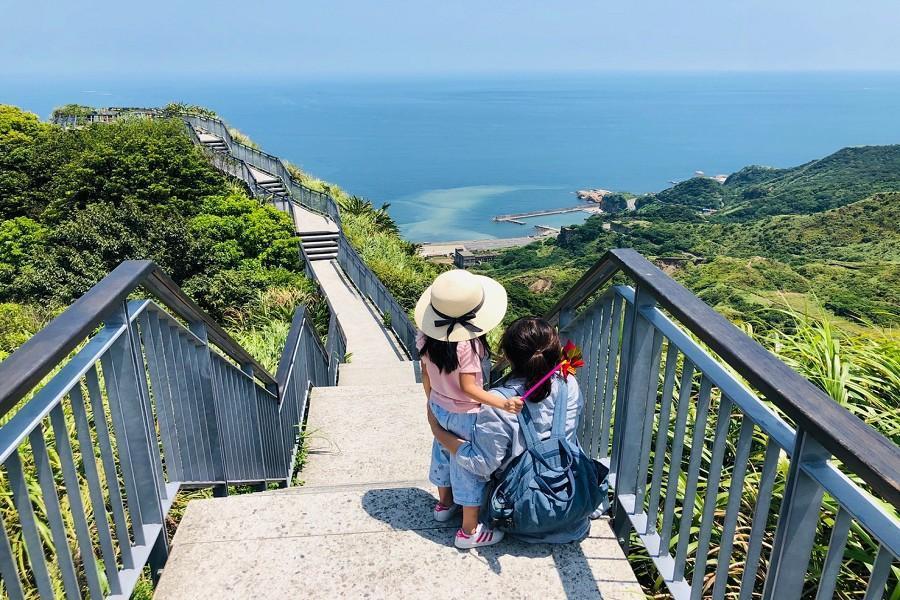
(862, 372)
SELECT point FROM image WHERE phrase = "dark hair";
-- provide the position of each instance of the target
(443, 354)
(532, 347)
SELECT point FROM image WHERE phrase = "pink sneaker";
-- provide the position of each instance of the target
(482, 536)
(443, 513)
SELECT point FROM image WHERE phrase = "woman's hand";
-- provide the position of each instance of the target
(444, 438)
(513, 405)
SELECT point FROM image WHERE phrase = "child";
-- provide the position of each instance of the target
(454, 316)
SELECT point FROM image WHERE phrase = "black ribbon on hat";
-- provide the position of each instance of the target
(464, 320)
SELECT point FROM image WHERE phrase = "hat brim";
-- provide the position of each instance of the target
(491, 314)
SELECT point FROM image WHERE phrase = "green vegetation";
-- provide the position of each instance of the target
(374, 234)
(846, 176)
(819, 288)
(75, 203)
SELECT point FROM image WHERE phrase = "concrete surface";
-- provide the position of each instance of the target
(377, 542)
(367, 338)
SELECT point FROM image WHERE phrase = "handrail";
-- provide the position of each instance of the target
(30, 363)
(838, 430)
(349, 260)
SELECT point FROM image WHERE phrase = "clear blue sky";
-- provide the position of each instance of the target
(334, 37)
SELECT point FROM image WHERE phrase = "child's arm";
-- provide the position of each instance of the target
(426, 383)
(473, 390)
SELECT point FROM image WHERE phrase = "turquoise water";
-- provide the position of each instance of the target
(448, 154)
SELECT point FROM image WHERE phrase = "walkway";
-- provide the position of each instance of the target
(361, 525)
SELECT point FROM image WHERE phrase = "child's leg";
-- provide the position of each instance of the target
(470, 519)
(445, 495)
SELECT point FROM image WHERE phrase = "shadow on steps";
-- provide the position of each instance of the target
(410, 509)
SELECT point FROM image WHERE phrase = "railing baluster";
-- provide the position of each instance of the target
(632, 403)
(200, 436)
(121, 435)
(662, 437)
(684, 398)
(741, 458)
(109, 467)
(142, 398)
(797, 523)
(162, 392)
(760, 519)
(649, 415)
(54, 513)
(33, 546)
(8, 571)
(188, 438)
(880, 571)
(836, 545)
(611, 358)
(208, 413)
(698, 436)
(583, 377)
(95, 491)
(73, 492)
(598, 378)
(712, 493)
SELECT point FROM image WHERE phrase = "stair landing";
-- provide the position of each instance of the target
(361, 524)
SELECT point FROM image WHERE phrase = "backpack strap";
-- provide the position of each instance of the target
(560, 408)
(524, 417)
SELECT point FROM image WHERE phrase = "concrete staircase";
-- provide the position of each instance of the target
(360, 526)
(320, 245)
(212, 142)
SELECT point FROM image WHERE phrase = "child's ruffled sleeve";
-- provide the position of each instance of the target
(469, 361)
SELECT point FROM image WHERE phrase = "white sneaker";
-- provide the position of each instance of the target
(445, 513)
(482, 536)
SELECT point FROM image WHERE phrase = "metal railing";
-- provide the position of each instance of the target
(120, 403)
(694, 451)
(236, 164)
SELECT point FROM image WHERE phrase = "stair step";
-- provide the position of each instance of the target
(316, 236)
(320, 244)
(321, 250)
(365, 374)
(322, 256)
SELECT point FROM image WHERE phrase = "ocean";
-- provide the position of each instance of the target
(449, 153)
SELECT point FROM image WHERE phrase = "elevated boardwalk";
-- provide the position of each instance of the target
(361, 524)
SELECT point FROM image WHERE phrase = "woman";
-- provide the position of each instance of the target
(532, 347)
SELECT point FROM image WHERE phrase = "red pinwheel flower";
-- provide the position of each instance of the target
(571, 359)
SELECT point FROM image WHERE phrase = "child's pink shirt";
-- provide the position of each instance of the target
(445, 390)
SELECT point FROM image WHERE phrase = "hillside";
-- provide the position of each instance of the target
(845, 259)
(848, 175)
(75, 203)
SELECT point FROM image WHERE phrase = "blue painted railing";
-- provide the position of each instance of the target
(673, 421)
(119, 403)
(237, 162)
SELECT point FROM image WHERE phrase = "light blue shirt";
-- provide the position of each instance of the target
(498, 439)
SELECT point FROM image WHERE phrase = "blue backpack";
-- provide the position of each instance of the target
(550, 486)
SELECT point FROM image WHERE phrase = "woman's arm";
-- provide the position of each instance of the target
(471, 388)
(444, 437)
(490, 443)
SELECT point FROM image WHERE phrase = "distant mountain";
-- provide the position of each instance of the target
(846, 176)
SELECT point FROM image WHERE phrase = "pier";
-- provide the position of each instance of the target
(517, 217)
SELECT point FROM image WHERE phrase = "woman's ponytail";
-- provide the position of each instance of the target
(532, 347)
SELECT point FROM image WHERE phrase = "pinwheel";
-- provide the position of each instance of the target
(571, 362)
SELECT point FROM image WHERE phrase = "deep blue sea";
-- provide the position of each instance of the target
(449, 153)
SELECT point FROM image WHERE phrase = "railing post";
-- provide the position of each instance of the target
(639, 396)
(797, 522)
(208, 394)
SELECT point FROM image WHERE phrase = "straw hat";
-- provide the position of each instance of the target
(460, 306)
